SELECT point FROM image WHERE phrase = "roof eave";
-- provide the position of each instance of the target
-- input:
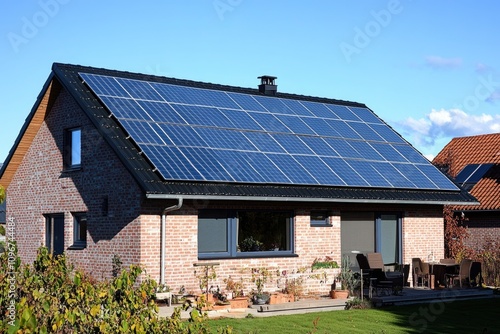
(7, 170)
(303, 199)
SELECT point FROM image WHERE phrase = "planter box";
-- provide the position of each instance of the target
(216, 307)
(239, 302)
(280, 298)
(339, 294)
(165, 296)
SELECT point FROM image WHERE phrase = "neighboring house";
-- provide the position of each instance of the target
(169, 173)
(474, 162)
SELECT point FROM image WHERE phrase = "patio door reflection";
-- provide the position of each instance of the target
(388, 241)
(365, 232)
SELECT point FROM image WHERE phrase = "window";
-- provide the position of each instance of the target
(366, 232)
(320, 218)
(79, 231)
(72, 148)
(54, 233)
(224, 234)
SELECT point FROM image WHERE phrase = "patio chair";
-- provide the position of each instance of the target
(463, 273)
(384, 278)
(420, 272)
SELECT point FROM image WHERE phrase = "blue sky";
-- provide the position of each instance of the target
(430, 69)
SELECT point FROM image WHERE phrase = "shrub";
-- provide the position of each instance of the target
(328, 262)
(52, 297)
(357, 304)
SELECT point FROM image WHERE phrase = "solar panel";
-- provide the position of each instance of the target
(472, 173)
(197, 134)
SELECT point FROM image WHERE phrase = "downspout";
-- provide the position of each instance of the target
(162, 236)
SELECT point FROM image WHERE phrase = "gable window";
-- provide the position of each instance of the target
(224, 234)
(54, 233)
(79, 231)
(72, 148)
(320, 218)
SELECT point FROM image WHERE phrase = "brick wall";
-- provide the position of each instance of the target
(40, 186)
(130, 227)
(422, 232)
(482, 227)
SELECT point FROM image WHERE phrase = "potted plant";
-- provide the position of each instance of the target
(234, 290)
(260, 277)
(345, 282)
(162, 292)
(250, 245)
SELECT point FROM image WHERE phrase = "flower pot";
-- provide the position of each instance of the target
(239, 302)
(260, 299)
(339, 294)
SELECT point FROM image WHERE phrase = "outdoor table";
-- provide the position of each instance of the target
(438, 271)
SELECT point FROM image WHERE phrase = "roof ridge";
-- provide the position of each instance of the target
(200, 84)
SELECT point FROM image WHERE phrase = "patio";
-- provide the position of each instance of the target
(426, 295)
(408, 296)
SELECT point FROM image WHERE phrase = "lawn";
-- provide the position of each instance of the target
(470, 316)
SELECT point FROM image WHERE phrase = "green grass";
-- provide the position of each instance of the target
(470, 316)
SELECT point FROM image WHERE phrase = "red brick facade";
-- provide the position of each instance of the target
(483, 227)
(122, 221)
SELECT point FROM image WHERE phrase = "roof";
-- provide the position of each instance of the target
(151, 176)
(465, 151)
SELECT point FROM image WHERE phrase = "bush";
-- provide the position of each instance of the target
(52, 297)
(357, 304)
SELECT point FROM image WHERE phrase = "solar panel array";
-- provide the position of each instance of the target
(200, 134)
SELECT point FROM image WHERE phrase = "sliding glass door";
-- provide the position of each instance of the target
(365, 232)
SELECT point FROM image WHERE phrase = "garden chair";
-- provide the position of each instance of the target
(420, 272)
(463, 273)
(383, 279)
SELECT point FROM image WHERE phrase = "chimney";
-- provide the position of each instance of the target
(267, 86)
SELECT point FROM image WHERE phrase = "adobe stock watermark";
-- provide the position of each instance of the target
(30, 26)
(371, 30)
(223, 6)
(483, 90)
(11, 274)
(429, 313)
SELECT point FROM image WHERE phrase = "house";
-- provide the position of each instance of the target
(173, 173)
(474, 163)
(2, 210)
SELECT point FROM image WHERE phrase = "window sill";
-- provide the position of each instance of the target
(72, 169)
(78, 246)
(321, 225)
(248, 255)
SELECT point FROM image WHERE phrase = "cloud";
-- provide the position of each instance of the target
(445, 124)
(437, 62)
(494, 97)
(483, 68)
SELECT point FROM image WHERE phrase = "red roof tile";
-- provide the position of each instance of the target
(463, 151)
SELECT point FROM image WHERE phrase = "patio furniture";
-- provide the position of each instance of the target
(374, 266)
(420, 272)
(463, 273)
(476, 275)
(447, 261)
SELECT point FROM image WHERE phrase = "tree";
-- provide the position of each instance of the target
(455, 234)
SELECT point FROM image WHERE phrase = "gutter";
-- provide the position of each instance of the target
(163, 237)
(304, 199)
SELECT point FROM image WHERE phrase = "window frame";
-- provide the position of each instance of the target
(79, 218)
(70, 149)
(50, 225)
(399, 233)
(232, 235)
(322, 222)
